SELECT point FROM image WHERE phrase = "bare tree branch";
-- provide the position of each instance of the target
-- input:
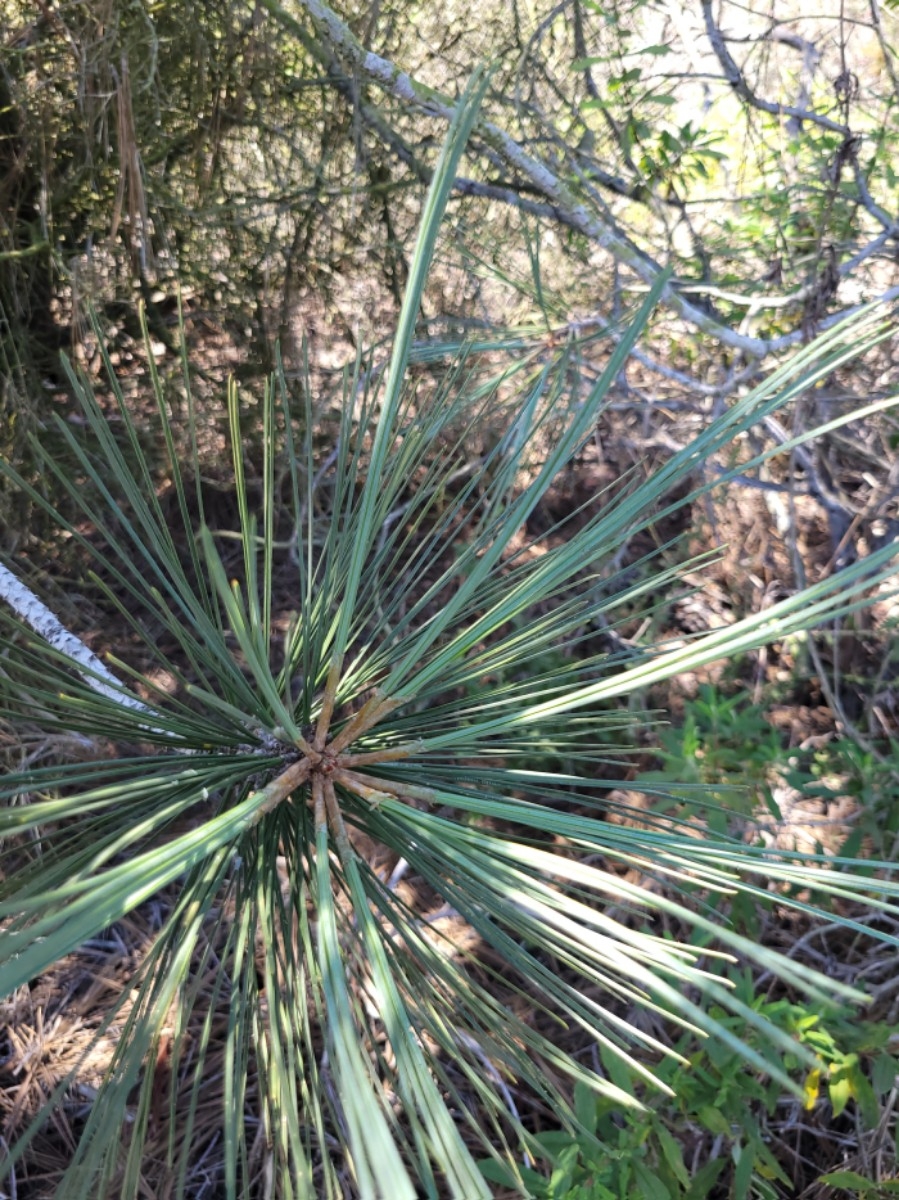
(890, 224)
(885, 48)
(737, 81)
(811, 57)
(561, 202)
(433, 103)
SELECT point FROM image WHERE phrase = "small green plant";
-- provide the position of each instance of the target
(394, 705)
(613, 1155)
(852, 1183)
(721, 759)
(718, 761)
(714, 1105)
(870, 776)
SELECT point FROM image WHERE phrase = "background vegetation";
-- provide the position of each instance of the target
(254, 176)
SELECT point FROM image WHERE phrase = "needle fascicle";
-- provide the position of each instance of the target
(370, 787)
(282, 786)
(318, 803)
(376, 707)
(335, 821)
(312, 755)
(410, 790)
(372, 795)
(393, 754)
(329, 699)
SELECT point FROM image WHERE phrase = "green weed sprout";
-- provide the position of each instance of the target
(379, 711)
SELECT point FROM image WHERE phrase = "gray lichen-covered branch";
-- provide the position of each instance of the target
(35, 614)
